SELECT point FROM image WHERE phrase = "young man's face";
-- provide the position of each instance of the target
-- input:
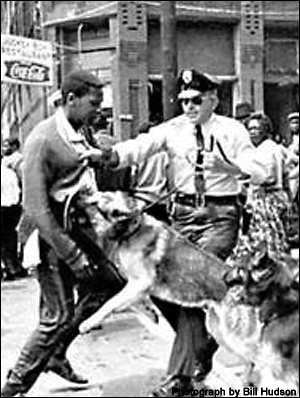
(198, 109)
(87, 108)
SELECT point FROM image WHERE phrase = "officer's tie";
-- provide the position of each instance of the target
(199, 176)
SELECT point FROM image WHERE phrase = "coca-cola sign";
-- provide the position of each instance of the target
(27, 72)
(26, 61)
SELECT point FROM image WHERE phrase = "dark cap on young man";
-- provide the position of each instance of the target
(76, 80)
(191, 83)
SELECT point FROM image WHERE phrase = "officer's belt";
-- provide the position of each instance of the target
(194, 200)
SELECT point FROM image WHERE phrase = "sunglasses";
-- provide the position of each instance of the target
(195, 100)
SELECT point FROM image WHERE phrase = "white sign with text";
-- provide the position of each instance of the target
(26, 61)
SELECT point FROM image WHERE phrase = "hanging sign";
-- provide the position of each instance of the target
(26, 61)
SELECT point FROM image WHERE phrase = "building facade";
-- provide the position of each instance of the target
(22, 106)
(252, 46)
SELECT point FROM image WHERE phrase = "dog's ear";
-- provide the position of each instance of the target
(283, 301)
(235, 276)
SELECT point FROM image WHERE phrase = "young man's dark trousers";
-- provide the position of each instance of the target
(60, 315)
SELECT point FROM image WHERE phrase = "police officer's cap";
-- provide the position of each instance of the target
(192, 83)
(294, 115)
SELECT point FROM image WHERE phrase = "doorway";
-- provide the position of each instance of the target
(279, 101)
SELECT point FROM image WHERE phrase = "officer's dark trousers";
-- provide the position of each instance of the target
(216, 231)
(60, 315)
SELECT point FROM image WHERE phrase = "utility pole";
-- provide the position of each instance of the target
(169, 57)
(40, 34)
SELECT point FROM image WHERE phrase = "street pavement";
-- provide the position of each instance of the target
(121, 360)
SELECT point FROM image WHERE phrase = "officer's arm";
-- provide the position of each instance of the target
(136, 151)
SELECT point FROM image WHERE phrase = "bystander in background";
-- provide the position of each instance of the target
(293, 174)
(151, 182)
(11, 267)
(242, 111)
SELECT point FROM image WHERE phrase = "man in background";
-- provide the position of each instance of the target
(10, 215)
(242, 111)
(12, 157)
(150, 183)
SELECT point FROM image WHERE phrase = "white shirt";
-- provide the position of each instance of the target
(13, 161)
(151, 177)
(79, 143)
(10, 190)
(273, 158)
(178, 138)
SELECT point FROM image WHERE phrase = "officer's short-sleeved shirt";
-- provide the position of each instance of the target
(178, 137)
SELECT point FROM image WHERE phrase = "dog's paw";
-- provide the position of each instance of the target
(87, 327)
(84, 329)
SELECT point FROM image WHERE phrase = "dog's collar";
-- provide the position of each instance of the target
(278, 315)
(127, 235)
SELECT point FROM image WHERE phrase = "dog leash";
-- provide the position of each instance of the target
(160, 199)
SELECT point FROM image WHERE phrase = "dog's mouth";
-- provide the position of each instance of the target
(124, 224)
(117, 215)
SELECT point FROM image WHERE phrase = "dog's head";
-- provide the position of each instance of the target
(262, 280)
(122, 212)
(273, 288)
(278, 362)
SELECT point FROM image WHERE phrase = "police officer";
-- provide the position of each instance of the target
(208, 153)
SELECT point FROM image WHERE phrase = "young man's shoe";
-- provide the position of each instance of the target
(63, 368)
(10, 390)
(174, 386)
(13, 386)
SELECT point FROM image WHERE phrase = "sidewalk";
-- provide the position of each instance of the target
(123, 359)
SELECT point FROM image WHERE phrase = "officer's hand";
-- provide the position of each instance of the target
(97, 156)
(214, 162)
(218, 161)
(89, 324)
(82, 269)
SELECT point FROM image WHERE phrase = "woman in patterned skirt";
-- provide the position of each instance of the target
(268, 204)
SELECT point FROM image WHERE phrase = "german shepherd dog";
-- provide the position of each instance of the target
(258, 321)
(155, 259)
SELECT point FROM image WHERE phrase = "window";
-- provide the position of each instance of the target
(281, 56)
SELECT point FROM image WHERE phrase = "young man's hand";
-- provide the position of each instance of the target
(82, 268)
